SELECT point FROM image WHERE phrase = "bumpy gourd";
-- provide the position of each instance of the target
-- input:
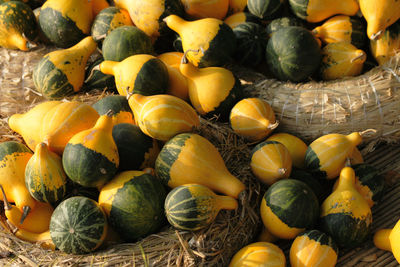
(341, 60)
(163, 116)
(62, 72)
(345, 214)
(63, 121)
(28, 124)
(389, 239)
(387, 45)
(270, 161)
(190, 158)
(206, 8)
(18, 26)
(121, 112)
(253, 118)
(193, 206)
(210, 40)
(259, 254)
(91, 157)
(45, 177)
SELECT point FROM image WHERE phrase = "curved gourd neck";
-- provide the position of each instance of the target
(41, 150)
(347, 179)
(189, 70)
(15, 121)
(176, 23)
(228, 184)
(226, 203)
(105, 123)
(87, 45)
(108, 67)
(19, 41)
(382, 239)
(354, 138)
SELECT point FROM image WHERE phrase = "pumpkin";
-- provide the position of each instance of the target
(388, 239)
(92, 147)
(387, 45)
(119, 106)
(135, 149)
(189, 158)
(252, 118)
(134, 204)
(265, 9)
(259, 254)
(95, 79)
(210, 41)
(61, 73)
(78, 225)
(45, 177)
(238, 18)
(345, 214)
(281, 205)
(193, 206)
(18, 26)
(206, 9)
(326, 156)
(313, 248)
(270, 162)
(293, 54)
(66, 22)
(282, 22)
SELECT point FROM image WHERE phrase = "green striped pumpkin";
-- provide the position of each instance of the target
(265, 9)
(134, 203)
(118, 104)
(282, 22)
(95, 79)
(78, 225)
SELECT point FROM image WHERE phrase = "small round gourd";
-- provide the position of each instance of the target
(313, 248)
(281, 205)
(118, 104)
(282, 22)
(194, 206)
(265, 9)
(259, 254)
(78, 225)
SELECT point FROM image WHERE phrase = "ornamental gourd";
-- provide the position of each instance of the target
(94, 147)
(18, 26)
(212, 90)
(206, 8)
(265, 9)
(66, 22)
(193, 206)
(345, 214)
(28, 124)
(238, 18)
(171, 58)
(252, 118)
(387, 45)
(118, 104)
(43, 239)
(190, 158)
(163, 116)
(210, 41)
(95, 79)
(98, 6)
(282, 22)
(236, 6)
(389, 239)
(259, 254)
(62, 72)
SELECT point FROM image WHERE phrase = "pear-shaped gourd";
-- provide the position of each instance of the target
(259, 254)
(163, 116)
(253, 118)
(194, 206)
(172, 59)
(91, 157)
(61, 73)
(340, 60)
(206, 8)
(63, 121)
(118, 104)
(18, 26)
(389, 239)
(190, 158)
(211, 42)
(387, 45)
(28, 124)
(379, 15)
(345, 214)
(142, 74)
(212, 90)
(45, 177)
(326, 156)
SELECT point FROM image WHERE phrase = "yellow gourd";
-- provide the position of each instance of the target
(43, 239)
(63, 121)
(178, 84)
(28, 124)
(163, 116)
(389, 239)
(356, 157)
(379, 15)
(98, 5)
(387, 45)
(259, 254)
(171, 58)
(297, 148)
(253, 118)
(340, 60)
(200, 9)
(266, 236)
(236, 6)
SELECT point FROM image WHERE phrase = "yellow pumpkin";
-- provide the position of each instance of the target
(259, 254)
(389, 239)
(297, 148)
(200, 9)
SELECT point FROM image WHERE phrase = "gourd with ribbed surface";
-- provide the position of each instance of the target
(28, 124)
(345, 214)
(206, 8)
(190, 158)
(252, 118)
(62, 72)
(118, 104)
(259, 254)
(240, 17)
(379, 15)
(65, 120)
(266, 9)
(193, 206)
(45, 177)
(66, 22)
(282, 22)
(210, 41)
(387, 45)
(313, 248)
(389, 239)
(163, 116)
(18, 26)
(341, 60)
(91, 157)
(143, 74)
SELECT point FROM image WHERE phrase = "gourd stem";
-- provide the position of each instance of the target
(7, 205)
(375, 36)
(273, 126)
(362, 56)
(25, 212)
(368, 133)
(381, 239)
(97, 67)
(282, 171)
(226, 202)
(184, 59)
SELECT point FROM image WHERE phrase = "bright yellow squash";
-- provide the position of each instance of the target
(379, 15)
(200, 9)
(297, 148)
(259, 254)
(389, 239)
(387, 45)
(28, 124)
(341, 60)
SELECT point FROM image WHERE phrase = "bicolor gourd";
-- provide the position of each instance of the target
(121, 112)
(384, 48)
(259, 254)
(389, 239)
(206, 8)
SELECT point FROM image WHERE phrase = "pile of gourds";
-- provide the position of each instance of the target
(129, 148)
